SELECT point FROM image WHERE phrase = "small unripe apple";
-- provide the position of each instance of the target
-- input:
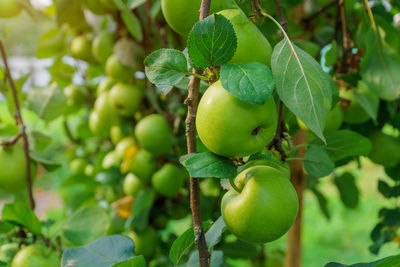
(117, 70)
(110, 160)
(168, 180)
(76, 95)
(385, 149)
(231, 127)
(103, 46)
(145, 241)
(154, 134)
(105, 85)
(119, 132)
(36, 256)
(123, 145)
(9, 8)
(106, 110)
(143, 165)
(81, 48)
(126, 98)
(265, 208)
(78, 165)
(132, 185)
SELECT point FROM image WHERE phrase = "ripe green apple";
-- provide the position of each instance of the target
(168, 180)
(7, 252)
(117, 70)
(181, 15)
(265, 208)
(123, 145)
(145, 241)
(385, 149)
(76, 95)
(9, 8)
(251, 43)
(143, 165)
(78, 165)
(126, 98)
(231, 127)
(36, 256)
(154, 134)
(81, 48)
(110, 160)
(103, 46)
(132, 185)
(95, 7)
(105, 85)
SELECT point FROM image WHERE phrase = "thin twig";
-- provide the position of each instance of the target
(22, 132)
(12, 141)
(281, 15)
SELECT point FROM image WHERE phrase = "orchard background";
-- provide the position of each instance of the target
(123, 123)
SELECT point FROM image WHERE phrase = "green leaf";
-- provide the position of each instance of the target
(132, 24)
(252, 83)
(211, 42)
(61, 73)
(51, 43)
(104, 252)
(217, 259)
(317, 162)
(214, 233)
(367, 102)
(207, 164)
(142, 207)
(331, 54)
(166, 67)
(391, 261)
(135, 3)
(138, 261)
(345, 143)
(85, 225)
(322, 202)
(19, 213)
(348, 189)
(302, 85)
(181, 246)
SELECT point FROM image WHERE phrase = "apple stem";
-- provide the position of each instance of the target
(20, 123)
(232, 182)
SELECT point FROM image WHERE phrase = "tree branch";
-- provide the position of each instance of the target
(192, 102)
(20, 123)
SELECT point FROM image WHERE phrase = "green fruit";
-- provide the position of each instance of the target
(168, 180)
(105, 85)
(145, 241)
(123, 145)
(110, 160)
(385, 149)
(103, 46)
(143, 165)
(118, 132)
(132, 185)
(251, 43)
(106, 110)
(76, 95)
(109, 4)
(117, 70)
(81, 48)
(181, 15)
(231, 127)
(333, 121)
(154, 134)
(282, 167)
(78, 165)
(89, 170)
(36, 256)
(7, 252)
(95, 7)
(9, 8)
(210, 187)
(98, 126)
(126, 98)
(265, 208)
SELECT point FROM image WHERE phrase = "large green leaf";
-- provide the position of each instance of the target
(213, 234)
(349, 194)
(142, 207)
(132, 24)
(302, 85)
(19, 213)
(181, 246)
(317, 162)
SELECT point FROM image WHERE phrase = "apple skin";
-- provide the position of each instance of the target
(95, 7)
(132, 185)
(123, 145)
(105, 109)
(168, 180)
(7, 252)
(181, 15)
(143, 165)
(145, 241)
(119, 132)
(252, 46)
(126, 98)
(105, 85)
(110, 160)
(81, 48)
(385, 149)
(35, 256)
(227, 125)
(76, 95)
(78, 165)
(154, 134)
(103, 46)
(117, 70)
(266, 207)
(9, 8)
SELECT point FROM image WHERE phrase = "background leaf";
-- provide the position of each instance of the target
(317, 162)
(181, 246)
(19, 213)
(348, 189)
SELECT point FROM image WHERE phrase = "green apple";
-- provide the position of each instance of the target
(78, 165)
(123, 145)
(126, 98)
(36, 256)
(132, 185)
(231, 127)
(251, 43)
(95, 7)
(9, 8)
(76, 95)
(210, 187)
(168, 180)
(265, 208)
(154, 134)
(81, 48)
(118, 132)
(385, 149)
(105, 109)
(103, 46)
(181, 15)
(89, 170)
(110, 160)
(145, 241)
(98, 126)
(105, 85)
(7, 252)
(143, 165)
(282, 167)
(117, 70)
